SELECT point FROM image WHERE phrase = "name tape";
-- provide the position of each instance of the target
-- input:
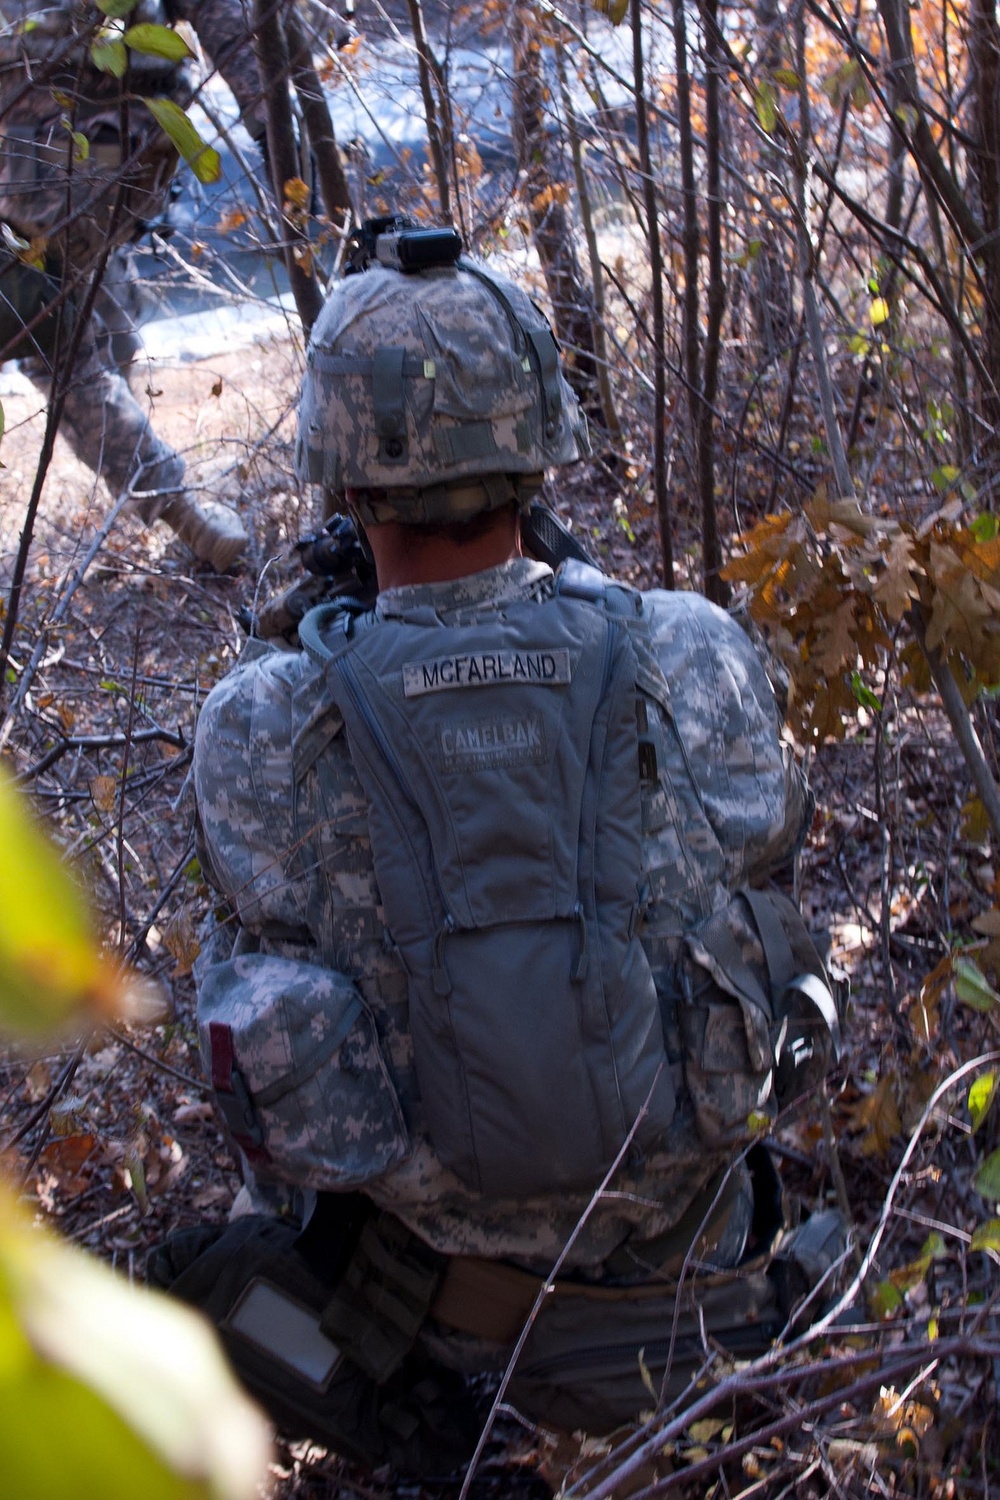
(483, 668)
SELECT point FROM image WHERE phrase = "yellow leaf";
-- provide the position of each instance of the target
(879, 311)
(134, 1385)
(707, 1429)
(897, 585)
(181, 941)
(296, 194)
(50, 969)
(877, 1115)
(234, 219)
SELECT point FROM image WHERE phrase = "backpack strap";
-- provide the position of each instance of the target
(337, 617)
(784, 973)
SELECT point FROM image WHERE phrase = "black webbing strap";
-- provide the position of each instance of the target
(383, 1297)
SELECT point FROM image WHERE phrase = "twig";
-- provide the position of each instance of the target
(833, 1158)
(120, 835)
(762, 1372)
(27, 676)
(42, 1109)
(198, 1084)
(101, 742)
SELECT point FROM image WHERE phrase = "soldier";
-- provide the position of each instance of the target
(67, 202)
(461, 841)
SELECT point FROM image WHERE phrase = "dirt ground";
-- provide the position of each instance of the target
(117, 644)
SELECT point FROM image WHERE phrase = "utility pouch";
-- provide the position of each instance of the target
(597, 1357)
(298, 1072)
(756, 1017)
(384, 1297)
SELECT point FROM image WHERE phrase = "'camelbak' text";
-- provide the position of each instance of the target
(482, 668)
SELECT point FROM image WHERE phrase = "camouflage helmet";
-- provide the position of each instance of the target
(441, 386)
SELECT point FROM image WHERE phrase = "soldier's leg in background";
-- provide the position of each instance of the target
(110, 432)
(119, 308)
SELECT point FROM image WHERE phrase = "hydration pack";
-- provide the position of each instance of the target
(499, 757)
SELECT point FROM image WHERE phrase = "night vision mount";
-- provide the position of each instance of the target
(399, 243)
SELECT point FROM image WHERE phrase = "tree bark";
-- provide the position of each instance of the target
(333, 184)
(272, 58)
(663, 513)
(543, 190)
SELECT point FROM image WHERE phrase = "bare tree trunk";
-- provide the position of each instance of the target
(544, 193)
(985, 161)
(715, 587)
(656, 270)
(772, 284)
(437, 110)
(333, 182)
(601, 356)
(272, 57)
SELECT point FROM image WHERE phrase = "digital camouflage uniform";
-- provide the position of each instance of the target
(43, 84)
(284, 838)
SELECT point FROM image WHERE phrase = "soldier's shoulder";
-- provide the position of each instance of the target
(259, 692)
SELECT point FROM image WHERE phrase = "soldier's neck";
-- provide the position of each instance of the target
(404, 555)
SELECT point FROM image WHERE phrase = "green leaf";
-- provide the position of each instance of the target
(885, 1300)
(157, 41)
(985, 528)
(109, 57)
(913, 1274)
(972, 987)
(986, 1236)
(864, 694)
(944, 477)
(787, 78)
(987, 1178)
(859, 345)
(115, 9)
(49, 965)
(981, 1096)
(203, 160)
(765, 103)
(617, 11)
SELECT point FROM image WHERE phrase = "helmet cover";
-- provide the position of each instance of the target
(415, 381)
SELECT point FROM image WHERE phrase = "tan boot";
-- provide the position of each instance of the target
(214, 533)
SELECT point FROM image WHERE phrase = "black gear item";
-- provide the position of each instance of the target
(265, 1285)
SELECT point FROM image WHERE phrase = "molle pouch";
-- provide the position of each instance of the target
(756, 1017)
(298, 1072)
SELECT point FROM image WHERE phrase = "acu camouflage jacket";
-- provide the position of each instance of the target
(284, 840)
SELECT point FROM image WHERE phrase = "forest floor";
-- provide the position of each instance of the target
(116, 1143)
